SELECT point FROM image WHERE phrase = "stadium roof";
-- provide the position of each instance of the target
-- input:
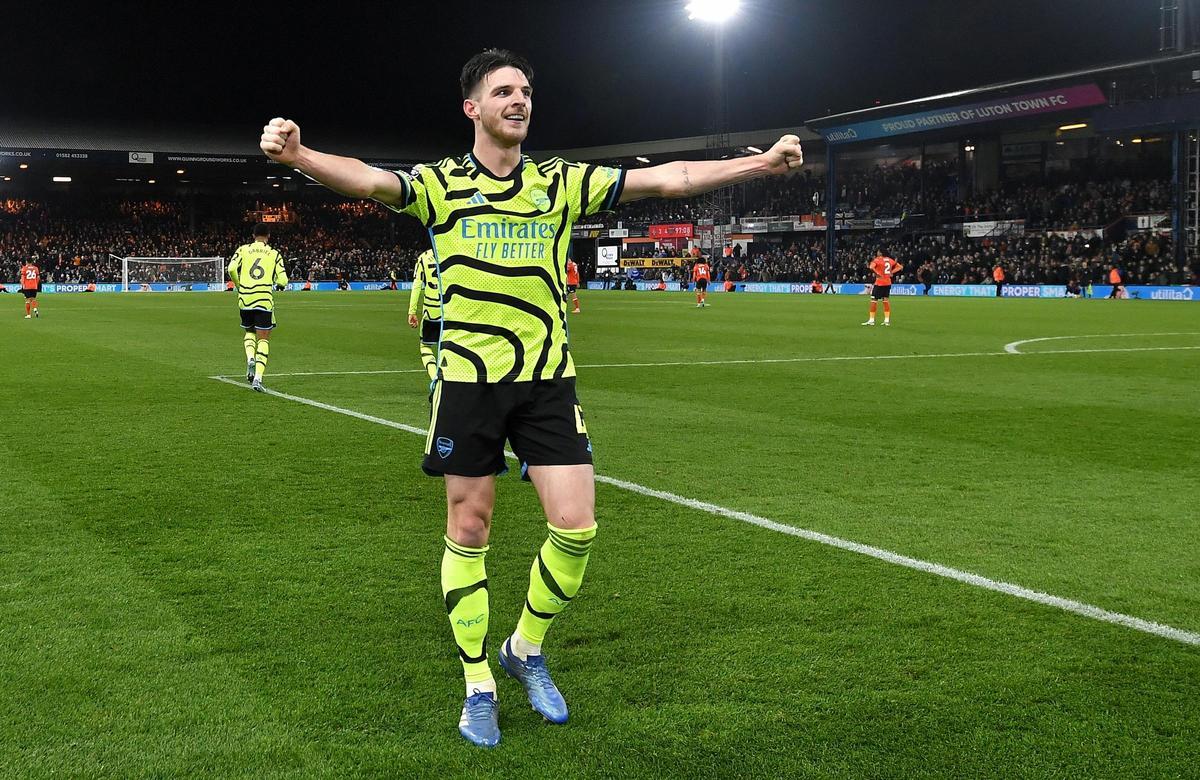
(676, 146)
(214, 140)
(1077, 89)
(241, 143)
(1152, 64)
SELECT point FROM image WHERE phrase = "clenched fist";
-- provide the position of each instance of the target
(785, 156)
(281, 140)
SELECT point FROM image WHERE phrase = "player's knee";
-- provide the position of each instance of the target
(468, 521)
(470, 529)
(573, 518)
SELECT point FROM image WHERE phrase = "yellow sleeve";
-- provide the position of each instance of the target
(592, 188)
(416, 201)
(234, 263)
(281, 277)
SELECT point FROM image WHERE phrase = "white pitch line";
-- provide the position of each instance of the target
(1011, 347)
(1113, 349)
(826, 359)
(979, 581)
(676, 363)
(349, 373)
(328, 407)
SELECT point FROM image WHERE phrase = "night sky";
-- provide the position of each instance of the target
(606, 72)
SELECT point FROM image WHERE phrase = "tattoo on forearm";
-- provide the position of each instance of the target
(687, 182)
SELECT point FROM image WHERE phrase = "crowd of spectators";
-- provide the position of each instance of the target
(1143, 258)
(1063, 201)
(1066, 206)
(81, 240)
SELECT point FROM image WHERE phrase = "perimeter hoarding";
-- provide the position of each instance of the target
(1058, 99)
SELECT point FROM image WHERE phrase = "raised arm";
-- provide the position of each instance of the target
(685, 179)
(345, 175)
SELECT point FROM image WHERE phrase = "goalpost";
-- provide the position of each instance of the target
(181, 271)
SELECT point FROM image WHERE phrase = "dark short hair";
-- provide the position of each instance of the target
(261, 229)
(488, 60)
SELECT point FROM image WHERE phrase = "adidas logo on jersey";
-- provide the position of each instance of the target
(478, 199)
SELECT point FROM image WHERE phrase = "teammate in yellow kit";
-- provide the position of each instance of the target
(257, 271)
(423, 306)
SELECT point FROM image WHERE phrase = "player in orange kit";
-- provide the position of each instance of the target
(573, 284)
(884, 268)
(31, 282)
(701, 274)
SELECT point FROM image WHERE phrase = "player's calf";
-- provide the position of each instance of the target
(554, 579)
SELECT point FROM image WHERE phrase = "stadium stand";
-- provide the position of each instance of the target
(75, 240)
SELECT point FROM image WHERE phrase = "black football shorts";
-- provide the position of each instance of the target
(470, 422)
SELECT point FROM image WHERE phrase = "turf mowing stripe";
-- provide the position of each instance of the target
(1011, 347)
(1068, 605)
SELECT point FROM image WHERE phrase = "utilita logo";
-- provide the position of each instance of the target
(1184, 294)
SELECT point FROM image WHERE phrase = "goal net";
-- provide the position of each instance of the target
(178, 273)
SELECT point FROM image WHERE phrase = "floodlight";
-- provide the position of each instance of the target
(715, 11)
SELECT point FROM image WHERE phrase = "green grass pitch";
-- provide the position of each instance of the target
(197, 580)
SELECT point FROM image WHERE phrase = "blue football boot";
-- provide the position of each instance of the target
(480, 721)
(535, 677)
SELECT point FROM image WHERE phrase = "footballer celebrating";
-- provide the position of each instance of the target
(500, 225)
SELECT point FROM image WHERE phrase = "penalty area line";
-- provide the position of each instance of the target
(936, 569)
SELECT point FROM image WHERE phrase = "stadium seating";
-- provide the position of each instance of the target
(74, 239)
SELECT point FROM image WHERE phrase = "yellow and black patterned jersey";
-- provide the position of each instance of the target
(501, 248)
(423, 300)
(256, 268)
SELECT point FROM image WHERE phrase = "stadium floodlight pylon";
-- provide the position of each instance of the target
(171, 270)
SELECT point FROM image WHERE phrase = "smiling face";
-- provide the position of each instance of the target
(501, 106)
